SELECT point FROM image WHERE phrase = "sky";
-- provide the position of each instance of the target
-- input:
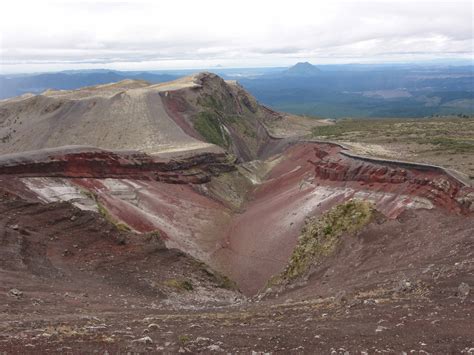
(45, 35)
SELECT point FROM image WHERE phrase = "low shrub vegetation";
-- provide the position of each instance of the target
(321, 236)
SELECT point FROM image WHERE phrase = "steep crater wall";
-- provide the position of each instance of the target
(431, 182)
(249, 244)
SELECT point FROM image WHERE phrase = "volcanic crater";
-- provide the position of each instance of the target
(186, 196)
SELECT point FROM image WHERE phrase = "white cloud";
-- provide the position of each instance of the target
(54, 35)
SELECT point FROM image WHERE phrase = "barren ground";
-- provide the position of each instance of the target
(118, 300)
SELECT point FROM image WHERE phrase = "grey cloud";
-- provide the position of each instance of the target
(361, 30)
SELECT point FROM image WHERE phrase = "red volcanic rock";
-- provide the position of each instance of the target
(96, 163)
(177, 108)
(150, 193)
(431, 182)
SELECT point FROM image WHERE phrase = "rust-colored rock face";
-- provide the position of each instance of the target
(432, 183)
(101, 164)
(149, 193)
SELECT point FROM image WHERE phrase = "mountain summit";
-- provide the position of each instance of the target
(302, 69)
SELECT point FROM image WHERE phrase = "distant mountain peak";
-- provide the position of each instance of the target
(304, 65)
(303, 69)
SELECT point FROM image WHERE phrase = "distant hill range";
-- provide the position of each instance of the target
(356, 90)
(334, 91)
(16, 85)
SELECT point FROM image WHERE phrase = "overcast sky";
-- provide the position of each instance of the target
(41, 35)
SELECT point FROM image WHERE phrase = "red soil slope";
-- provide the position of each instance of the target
(148, 193)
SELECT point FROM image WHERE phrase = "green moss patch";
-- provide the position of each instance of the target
(321, 236)
(211, 102)
(209, 126)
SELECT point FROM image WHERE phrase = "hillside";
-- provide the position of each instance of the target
(187, 217)
(185, 114)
